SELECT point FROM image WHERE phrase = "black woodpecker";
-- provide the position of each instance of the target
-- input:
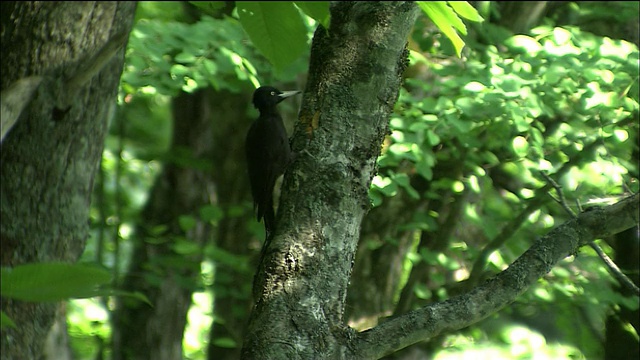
(268, 152)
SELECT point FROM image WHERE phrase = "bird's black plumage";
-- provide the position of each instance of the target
(268, 152)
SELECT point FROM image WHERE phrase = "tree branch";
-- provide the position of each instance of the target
(14, 99)
(501, 290)
(614, 270)
(90, 68)
(534, 204)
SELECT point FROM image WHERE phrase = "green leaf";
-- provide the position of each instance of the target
(376, 198)
(134, 295)
(185, 58)
(183, 246)
(225, 342)
(474, 87)
(443, 11)
(317, 10)
(187, 222)
(275, 28)
(446, 20)
(403, 181)
(425, 169)
(432, 138)
(520, 146)
(561, 36)
(422, 291)
(385, 185)
(437, 12)
(527, 44)
(5, 321)
(465, 10)
(54, 281)
(211, 213)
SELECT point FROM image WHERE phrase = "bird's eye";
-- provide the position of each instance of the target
(273, 93)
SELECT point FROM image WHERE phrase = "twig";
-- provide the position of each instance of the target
(534, 204)
(611, 265)
(561, 199)
(615, 270)
(91, 66)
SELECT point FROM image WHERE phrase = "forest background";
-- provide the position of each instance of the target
(488, 150)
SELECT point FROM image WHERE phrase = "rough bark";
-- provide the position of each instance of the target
(49, 158)
(142, 331)
(300, 289)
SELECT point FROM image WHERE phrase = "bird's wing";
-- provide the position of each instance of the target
(257, 162)
(268, 154)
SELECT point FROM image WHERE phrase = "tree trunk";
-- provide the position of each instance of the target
(355, 75)
(620, 341)
(521, 16)
(166, 276)
(49, 157)
(232, 303)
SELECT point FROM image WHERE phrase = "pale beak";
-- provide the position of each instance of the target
(286, 94)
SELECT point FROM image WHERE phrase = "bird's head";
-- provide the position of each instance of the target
(266, 97)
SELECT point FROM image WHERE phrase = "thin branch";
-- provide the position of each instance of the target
(614, 270)
(14, 99)
(511, 228)
(90, 68)
(501, 290)
(561, 199)
(504, 235)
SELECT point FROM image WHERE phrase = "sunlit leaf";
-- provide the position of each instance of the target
(474, 86)
(520, 146)
(446, 20)
(465, 10)
(525, 43)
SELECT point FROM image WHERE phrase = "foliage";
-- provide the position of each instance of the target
(561, 103)
(445, 16)
(278, 30)
(519, 122)
(168, 57)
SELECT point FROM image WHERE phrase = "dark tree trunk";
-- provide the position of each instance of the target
(49, 157)
(521, 16)
(168, 278)
(355, 74)
(620, 341)
(232, 301)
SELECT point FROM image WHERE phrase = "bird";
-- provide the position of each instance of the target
(268, 152)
